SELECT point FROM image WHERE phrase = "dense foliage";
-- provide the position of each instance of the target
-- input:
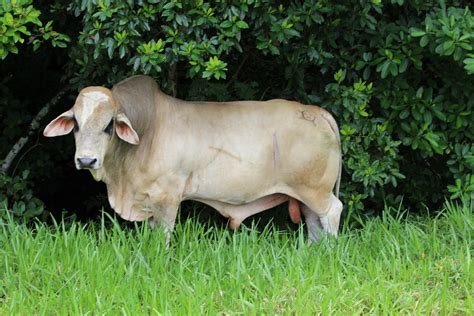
(397, 75)
(18, 20)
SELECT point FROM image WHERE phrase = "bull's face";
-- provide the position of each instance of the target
(95, 119)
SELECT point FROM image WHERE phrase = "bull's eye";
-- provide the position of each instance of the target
(76, 126)
(109, 127)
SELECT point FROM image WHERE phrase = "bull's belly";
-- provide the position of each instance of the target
(237, 213)
(234, 186)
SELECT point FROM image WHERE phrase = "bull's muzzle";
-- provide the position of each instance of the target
(86, 163)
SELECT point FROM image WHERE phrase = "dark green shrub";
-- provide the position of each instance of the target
(397, 75)
(19, 21)
(17, 199)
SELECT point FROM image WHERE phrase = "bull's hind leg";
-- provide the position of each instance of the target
(313, 224)
(330, 220)
(322, 213)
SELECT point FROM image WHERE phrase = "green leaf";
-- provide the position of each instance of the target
(340, 75)
(394, 69)
(419, 93)
(13, 49)
(403, 66)
(122, 52)
(182, 20)
(427, 117)
(448, 44)
(169, 5)
(36, 45)
(359, 65)
(440, 115)
(110, 45)
(242, 24)
(404, 114)
(434, 139)
(226, 24)
(415, 113)
(424, 41)
(8, 19)
(136, 64)
(385, 69)
(469, 65)
(292, 32)
(416, 32)
(465, 46)
(61, 44)
(366, 73)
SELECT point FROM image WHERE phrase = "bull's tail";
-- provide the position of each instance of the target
(338, 181)
(332, 123)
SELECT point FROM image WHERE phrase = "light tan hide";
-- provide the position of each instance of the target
(239, 157)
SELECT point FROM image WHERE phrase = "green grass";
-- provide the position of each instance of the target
(389, 266)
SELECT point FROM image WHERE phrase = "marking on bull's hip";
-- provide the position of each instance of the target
(189, 185)
(225, 152)
(276, 151)
(308, 116)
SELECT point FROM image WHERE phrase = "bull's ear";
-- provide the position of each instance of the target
(61, 125)
(124, 129)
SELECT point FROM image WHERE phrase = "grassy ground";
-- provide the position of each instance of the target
(391, 265)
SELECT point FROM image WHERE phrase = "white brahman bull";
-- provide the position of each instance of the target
(154, 151)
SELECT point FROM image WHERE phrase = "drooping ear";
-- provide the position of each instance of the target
(61, 125)
(124, 129)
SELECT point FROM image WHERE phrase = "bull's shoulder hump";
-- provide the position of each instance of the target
(139, 81)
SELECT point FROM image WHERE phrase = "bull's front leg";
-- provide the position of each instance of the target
(164, 216)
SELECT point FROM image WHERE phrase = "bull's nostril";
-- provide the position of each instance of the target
(86, 162)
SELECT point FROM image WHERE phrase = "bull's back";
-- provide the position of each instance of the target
(272, 125)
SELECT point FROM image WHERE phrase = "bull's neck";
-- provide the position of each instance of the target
(98, 174)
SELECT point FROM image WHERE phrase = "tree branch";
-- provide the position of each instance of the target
(173, 79)
(34, 125)
(236, 73)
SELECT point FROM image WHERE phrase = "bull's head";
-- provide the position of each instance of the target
(94, 118)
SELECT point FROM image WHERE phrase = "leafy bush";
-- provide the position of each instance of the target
(397, 75)
(17, 199)
(18, 20)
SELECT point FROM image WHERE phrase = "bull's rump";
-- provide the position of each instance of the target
(241, 151)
